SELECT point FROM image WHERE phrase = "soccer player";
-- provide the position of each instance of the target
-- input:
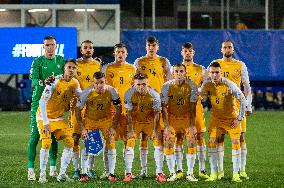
(237, 72)
(157, 68)
(197, 74)
(223, 94)
(43, 67)
(99, 100)
(179, 98)
(87, 66)
(119, 74)
(54, 102)
(143, 105)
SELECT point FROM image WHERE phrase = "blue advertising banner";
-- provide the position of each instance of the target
(262, 51)
(20, 46)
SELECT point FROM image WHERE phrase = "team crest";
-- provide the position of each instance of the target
(196, 74)
(58, 66)
(236, 71)
(111, 75)
(223, 94)
(78, 73)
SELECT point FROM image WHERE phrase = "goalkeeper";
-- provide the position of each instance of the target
(42, 72)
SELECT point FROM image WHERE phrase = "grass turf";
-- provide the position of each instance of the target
(265, 165)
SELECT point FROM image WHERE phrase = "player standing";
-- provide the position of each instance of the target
(50, 118)
(157, 68)
(43, 67)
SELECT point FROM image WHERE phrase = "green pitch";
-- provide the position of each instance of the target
(265, 164)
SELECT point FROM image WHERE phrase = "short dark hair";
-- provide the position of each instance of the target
(49, 38)
(119, 45)
(140, 76)
(187, 45)
(99, 75)
(86, 41)
(71, 60)
(152, 39)
(228, 40)
(180, 65)
(215, 64)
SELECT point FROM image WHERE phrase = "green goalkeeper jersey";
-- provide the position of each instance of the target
(42, 68)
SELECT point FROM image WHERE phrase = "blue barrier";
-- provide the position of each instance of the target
(262, 51)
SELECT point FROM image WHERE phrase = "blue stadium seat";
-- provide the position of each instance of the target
(102, 1)
(38, 1)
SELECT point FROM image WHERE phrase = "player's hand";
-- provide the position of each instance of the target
(167, 132)
(248, 113)
(157, 134)
(192, 131)
(98, 59)
(111, 132)
(46, 130)
(85, 134)
(235, 123)
(130, 134)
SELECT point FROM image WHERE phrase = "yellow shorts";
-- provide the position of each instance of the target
(59, 128)
(200, 120)
(217, 127)
(103, 125)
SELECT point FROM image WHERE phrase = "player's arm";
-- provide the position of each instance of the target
(79, 106)
(236, 92)
(76, 96)
(168, 75)
(117, 104)
(192, 107)
(247, 88)
(157, 109)
(203, 90)
(35, 73)
(129, 107)
(46, 95)
(164, 100)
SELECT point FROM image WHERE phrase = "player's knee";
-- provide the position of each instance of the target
(179, 140)
(76, 138)
(46, 143)
(236, 145)
(157, 142)
(200, 136)
(76, 148)
(169, 150)
(110, 144)
(169, 142)
(212, 142)
(221, 138)
(143, 144)
(68, 142)
(191, 150)
(242, 137)
(130, 142)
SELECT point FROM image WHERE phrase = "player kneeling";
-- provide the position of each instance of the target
(54, 102)
(179, 98)
(98, 115)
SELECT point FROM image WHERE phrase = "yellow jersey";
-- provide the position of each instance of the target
(98, 105)
(178, 97)
(235, 70)
(56, 98)
(120, 77)
(223, 99)
(157, 69)
(142, 106)
(196, 73)
(85, 72)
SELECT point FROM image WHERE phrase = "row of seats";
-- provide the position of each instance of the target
(59, 1)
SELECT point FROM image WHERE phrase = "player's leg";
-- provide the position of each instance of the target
(76, 156)
(212, 150)
(66, 153)
(190, 157)
(143, 155)
(236, 155)
(220, 153)
(53, 156)
(169, 142)
(201, 145)
(33, 141)
(43, 157)
(159, 158)
(111, 149)
(243, 173)
(179, 154)
(128, 159)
